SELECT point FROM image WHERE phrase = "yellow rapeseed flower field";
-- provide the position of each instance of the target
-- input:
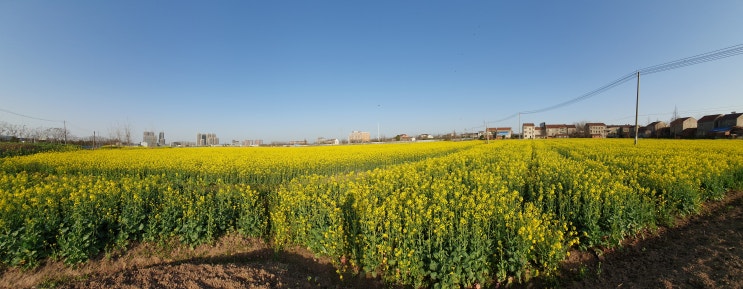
(445, 214)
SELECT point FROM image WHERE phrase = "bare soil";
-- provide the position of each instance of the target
(705, 251)
(233, 262)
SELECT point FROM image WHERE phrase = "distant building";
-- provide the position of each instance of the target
(539, 132)
(731, 120)
(325, 141)
(680, 126)
(148, 139)
(161, 139)
(499, 132)
(425, 136)
(623, 131)
(359, 137)
(557, 130)
(595, 130)
(208, 139)
(654, 129)
(527, 130)
(707, 123)
(298, 142)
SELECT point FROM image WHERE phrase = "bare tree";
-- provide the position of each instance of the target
(55, 133)
(37, 133)
(128, 133)
(115, 134)
(13, 130)
(3, 128)
(121, 133)
(580, 129)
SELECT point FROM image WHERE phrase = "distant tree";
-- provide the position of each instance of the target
(3, 128)
(128, 133)
(580, 129)
(121, 133)
(36, 134)
(55, 134)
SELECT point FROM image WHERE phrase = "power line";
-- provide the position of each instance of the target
(504, 119)
(31, 117)
(696, 59)
(679, 63)
(588, 95)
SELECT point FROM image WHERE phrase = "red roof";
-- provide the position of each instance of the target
(679, 121)
(559, 126)
(709, 118)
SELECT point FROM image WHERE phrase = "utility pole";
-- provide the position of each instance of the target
(521, 129)
(93, 139)
(65, 131)
(377, 131)
(637, 106)
(487, 136)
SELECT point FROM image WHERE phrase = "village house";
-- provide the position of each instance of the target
(595, 130)
(707, 123)
(539, 132)
(653, 129)
(558, 130)
(527, 130)
(624, 131)
(731, 120)
(716, 125)
(500, 132)
(683, 127)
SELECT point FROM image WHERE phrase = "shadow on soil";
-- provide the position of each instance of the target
(260, 268)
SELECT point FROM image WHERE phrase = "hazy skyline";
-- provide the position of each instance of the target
(291, 70)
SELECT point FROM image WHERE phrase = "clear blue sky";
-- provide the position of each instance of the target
(286, 70)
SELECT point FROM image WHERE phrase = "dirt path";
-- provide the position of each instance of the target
(703, 252)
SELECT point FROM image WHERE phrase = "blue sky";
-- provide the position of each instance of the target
(289, 70)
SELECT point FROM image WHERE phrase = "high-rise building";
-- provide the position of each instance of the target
(148, 139)
(161, 139)
(208, 139)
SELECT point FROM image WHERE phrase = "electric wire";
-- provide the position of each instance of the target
(31, 117)
(675, 64)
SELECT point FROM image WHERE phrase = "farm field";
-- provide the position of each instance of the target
(437, 214)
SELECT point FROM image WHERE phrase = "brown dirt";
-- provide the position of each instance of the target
(233, 262)
(705, 251)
